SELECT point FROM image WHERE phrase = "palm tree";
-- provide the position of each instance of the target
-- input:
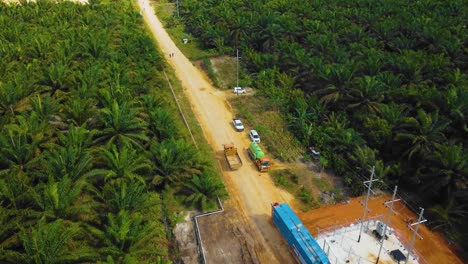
(391, 80)
(13, 99)
(372, 59)
(121, 125)
(240, 28)
(10, 222)
(448, 215)
(367, 95)
(97, 44)
(77, 137)
(80, 112)
(150, 102)
(301, 122)
(363, 157)
(421, 132)
(88, 81)
(161, 123)
(340, 137)
(72, 162)
(295, 61)
(124, 163)
(268, 31)
(446, 171)
(456, 99)
(204, 190)
(45, 107)
(125, 195)
(41, 44)
(175, 161)
(15, 188)
(129, 235)
(55, 77)
(341, 76)
(59, 199)
(18, 147)
(49, 243)
(393, 113)
(410, 63)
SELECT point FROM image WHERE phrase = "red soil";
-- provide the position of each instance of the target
(433, 248)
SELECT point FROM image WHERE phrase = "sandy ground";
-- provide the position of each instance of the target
(251, 193)
(431, 249)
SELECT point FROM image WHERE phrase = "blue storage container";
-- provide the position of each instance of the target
(299, 239)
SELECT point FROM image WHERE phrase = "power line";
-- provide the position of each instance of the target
(367, 200)
(390, 209)
(420, 221)
(412, 206)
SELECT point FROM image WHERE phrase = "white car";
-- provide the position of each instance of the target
(239, 90)
(254, 136)
(238, 124)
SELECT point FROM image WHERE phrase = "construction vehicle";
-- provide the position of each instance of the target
(233, 159)
(256, 154)
(302, 243)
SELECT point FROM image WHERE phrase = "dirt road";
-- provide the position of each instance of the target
(251, 192)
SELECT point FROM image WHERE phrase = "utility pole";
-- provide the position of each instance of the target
(420, 221)
(237, 67)
(367, 200)
(390, 209)
(177, 4)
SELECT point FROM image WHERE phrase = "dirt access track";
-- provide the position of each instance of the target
(244, 233)
(250, 193)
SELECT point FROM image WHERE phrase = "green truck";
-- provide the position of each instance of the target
(258, 156)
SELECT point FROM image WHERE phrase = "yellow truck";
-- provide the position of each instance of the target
(232, 157)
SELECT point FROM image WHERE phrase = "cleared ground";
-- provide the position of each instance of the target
(431, 249)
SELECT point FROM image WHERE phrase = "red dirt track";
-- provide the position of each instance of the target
(432, 249)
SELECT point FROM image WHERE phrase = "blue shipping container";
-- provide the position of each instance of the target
(299, 239)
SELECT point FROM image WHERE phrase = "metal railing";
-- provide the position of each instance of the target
(201, 251)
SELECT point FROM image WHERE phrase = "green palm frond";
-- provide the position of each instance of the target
(47, 242)
(176, 160)
(124, 163)
(205, 190)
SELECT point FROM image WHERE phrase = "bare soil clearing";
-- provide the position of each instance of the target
(432, 249)
(251, 193)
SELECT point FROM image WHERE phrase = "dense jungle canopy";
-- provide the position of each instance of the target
(367, 82)
(93, 161)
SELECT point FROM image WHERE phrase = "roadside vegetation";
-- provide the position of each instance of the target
(193, 49)
(95, 162)
(267, 120)
(368, 83)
